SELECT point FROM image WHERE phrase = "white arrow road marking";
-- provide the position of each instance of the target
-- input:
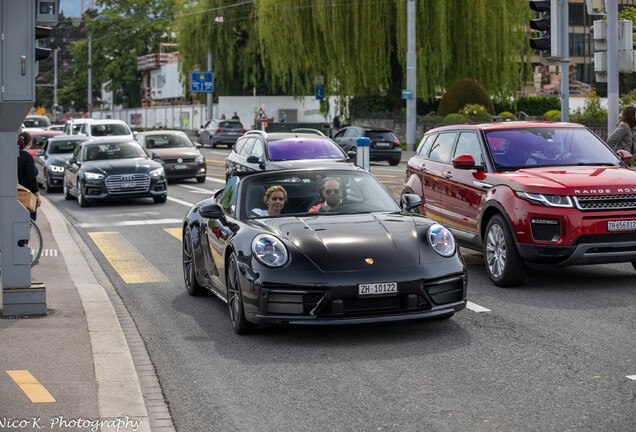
(632, 377)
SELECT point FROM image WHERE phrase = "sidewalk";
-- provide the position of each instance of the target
(83, 366)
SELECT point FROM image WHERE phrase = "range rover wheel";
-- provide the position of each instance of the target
(503, 263)
(235, 299)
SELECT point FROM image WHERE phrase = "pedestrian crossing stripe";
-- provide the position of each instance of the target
(176, 232)
(31, 386)
(131, 265)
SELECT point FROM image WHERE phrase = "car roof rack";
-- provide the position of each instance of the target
(308, 130)
(256, 132)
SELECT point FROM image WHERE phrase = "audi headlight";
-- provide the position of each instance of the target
(269, 250)
(94, 176)
(156, 172)
(441, 240)
(56, 169)
(198, 159)
(547, 200)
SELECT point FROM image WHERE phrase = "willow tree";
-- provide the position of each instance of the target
(481, 39)
(355, 45)
(232, 42)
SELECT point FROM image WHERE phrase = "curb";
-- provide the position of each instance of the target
(127, 384)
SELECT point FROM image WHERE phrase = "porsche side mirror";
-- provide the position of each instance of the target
(410, 201)
(253, 159)
(212, 211)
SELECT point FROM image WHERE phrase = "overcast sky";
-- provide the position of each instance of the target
(71, 7)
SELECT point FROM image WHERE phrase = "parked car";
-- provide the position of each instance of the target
(527, 194)
(112, 168)
(36, 121)
(51, 160)
(223, 132)
(182, 159)
(361, 261)
(385, 146)
(40, 138)
(56, 127)
(262, 151)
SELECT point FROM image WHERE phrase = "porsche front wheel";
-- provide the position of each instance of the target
(235, 299)
(189, 270)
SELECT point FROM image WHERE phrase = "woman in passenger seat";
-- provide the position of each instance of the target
(275, 198)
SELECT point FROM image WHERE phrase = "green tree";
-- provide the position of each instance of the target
(122, 31)
(359, 47)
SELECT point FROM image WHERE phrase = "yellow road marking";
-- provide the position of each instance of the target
(386, 175)
(176, 232)
(30, 386)
(216, 175)
(215, 161)
(131, 265)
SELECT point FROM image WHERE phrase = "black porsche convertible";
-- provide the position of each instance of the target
(357, 259)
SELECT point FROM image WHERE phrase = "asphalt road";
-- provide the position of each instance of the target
(554, 355)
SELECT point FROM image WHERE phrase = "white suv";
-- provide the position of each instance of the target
(109, 127)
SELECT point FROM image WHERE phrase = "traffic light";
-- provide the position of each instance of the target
(547, 24)
(41, 33)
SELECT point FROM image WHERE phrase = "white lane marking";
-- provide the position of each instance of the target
(130, 223)
(475, 307)
(631, 377)
(199, 190)
(208, 178)
(182, 202)
(49, 252)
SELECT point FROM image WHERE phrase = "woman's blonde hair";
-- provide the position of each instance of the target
(273, 189)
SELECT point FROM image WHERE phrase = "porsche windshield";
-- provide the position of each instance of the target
(321, 192)
(549, 146)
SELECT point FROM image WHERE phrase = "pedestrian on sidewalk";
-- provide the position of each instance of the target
(27, 171)
(622, 138)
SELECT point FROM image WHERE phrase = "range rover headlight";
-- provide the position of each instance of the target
(547, 200)
(94, 176)
(441, 240)
(156, 172)
(269, 250)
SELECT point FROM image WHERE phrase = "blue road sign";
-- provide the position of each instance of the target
(201, 82)
(406, 94)
(320, 92)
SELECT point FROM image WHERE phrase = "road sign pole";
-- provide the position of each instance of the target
(210, 96)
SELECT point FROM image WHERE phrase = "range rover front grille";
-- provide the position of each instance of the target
(605, 202)
(127, 183)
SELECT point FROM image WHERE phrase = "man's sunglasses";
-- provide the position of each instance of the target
(335, 191)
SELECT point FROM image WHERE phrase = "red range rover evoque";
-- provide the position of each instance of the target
(527, 194)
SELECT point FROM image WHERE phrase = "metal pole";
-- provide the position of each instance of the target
(411, 78)
(210, 96)
(90, 79)
(55, 84)
(612, 65)
(565, 63)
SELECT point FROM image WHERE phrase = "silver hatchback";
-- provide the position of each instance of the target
(223, 132)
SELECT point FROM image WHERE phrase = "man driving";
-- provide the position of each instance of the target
(331, 192)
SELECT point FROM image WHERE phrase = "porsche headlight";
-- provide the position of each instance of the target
(56, 169)
(156, 172)
(547, 200)
(269, 250)
(441, 240)
(94, 176)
